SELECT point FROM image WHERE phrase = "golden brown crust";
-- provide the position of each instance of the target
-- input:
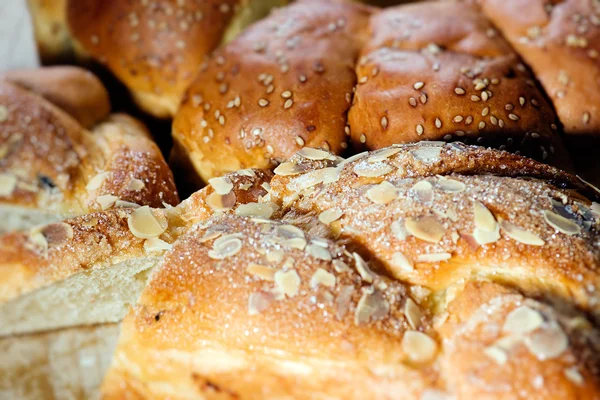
(51, 31)
(255, 108)
(159, 44)
(246, 307)
(423, 76)
(560, 41)
(75, 90)
(49, 161)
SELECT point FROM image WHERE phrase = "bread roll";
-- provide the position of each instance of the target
(51, 167)
(52, 35)
(318, 75)
(418, 271)
(155, 48)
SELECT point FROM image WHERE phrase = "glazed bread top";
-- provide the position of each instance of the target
(339, 74)
(418, 270)
(50, 162)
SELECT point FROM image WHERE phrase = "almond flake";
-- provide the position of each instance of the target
(340, 266)
(125, 204)
(106, 201)
(425, 228)
(260, 210)
(352, 158)
(288, 282)
(399, 260)
(8, 183)
(156, 245)
(287, 169)
(225, 247)
(522, 320)
(318, 252)
(399, 230)
(423, 191)
(483, 237)
(412, 313)
(37, 238)
(520, 235)
(221, 185)
(289, 231)
(383, 155)
(135, 184)
(144, 225)
(363, 268)
(275, 256)
(497, 354)
(573, 374)
(434, 257)
(316, 154)
(313, 178)
(484, 219)
(322, 277)
(383, 193)
(547, 343)
(372, 306)
(258, 302)
(90, 223)
(329, 216)
(342, 302)
(261, 271)
(561, 223)
(372, 170)
(246, 172)
(434, 394)
(221, 203)
(97, 181)
(451, 185)
(427, 154)
(419, 347)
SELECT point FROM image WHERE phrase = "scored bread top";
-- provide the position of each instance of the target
(421, 270)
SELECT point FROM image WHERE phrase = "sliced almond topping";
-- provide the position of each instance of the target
(352, 158)
(372, 306)
(573, 374)
(125, 204)
(287, 169)
(399, 230)
(106, 201)
(372, 170)
(295, 243)
(423, 191)
(399, 260)
(434, 257)
(483, 237)
(522, 320)
(418, 347)
(275, 256)
(143, 224)
(363, 268)
(246, 172)
(225, 247)
(37, 238)
(135, 184)
(316, 154)
(260, 210)
(329, 216)
(427, 154)
(383, 155)
(322, 277)
(92, 222)
(412, 313)
(288, 282)
(258, 302)
(451, 185)
(342, 302)
(289, 231)
(97, 181)
(222, 185)
(340, 266)
(425, 228)
(434, 394)
(156, 245)
(520, 235)
(484, 219)
(221, 203)
(261, 271)
(547, 343)
(561, 223)
(8, 183)
(318, 252)
(383, 193)
(497, 354)
(313, 178)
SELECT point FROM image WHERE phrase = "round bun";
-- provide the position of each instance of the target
(419, 271)
(323, 75)
(52, 167)
(153, 47)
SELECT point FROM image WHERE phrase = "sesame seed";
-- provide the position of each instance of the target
(286, 95)
(448, 137)
(412, 101)
(347, 130)
(223, 88)
(299, 141)
(363, 79)
(375, 71)
(224, 8)
(423, 98)
(481, 125)
(460, 133)
(513, 117)
(302, 78)
(522, 101)
(494, 120)
(509, 107)
(535, 103)
(485, 96)
(468, 120)
(586, 118)
(222, 120)
(553, 127)
(420, 129)
(263, 102)
(459, 91)
(363, 138)
(485, 111)
(495, 81)
(344, 145)
(270, 89)
(458, 119)
(270, 149)
(418, 85)
(501, 123)
(438, 123)
(384, 122)
(284, 68)
(256, 131)
(535, 135)
(237, 101)
(288, 103)
(475, 98)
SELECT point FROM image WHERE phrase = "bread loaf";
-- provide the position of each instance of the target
(417, 271)
(52, 167)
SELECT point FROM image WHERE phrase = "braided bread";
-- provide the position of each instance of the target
(52, 167)
(414, 271)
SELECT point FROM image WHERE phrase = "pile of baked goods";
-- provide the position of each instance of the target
(447, 255)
